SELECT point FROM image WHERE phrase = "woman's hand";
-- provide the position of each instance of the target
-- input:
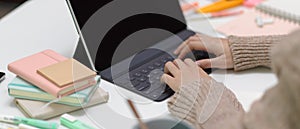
(179, 73)
(216, 46)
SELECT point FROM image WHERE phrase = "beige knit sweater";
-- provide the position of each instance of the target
(208, 104)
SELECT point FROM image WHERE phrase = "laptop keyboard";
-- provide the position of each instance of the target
(146, 78)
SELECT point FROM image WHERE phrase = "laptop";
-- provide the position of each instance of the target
(128, 41)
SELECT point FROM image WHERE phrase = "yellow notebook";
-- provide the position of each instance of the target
(66, 72)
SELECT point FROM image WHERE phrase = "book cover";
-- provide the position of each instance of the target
(33, 109)
(20, 88)
(66, 72)
(27, 67)
(245, 25)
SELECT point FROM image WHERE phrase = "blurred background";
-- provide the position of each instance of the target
(8, 5)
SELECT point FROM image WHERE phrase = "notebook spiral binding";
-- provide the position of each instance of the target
(279, 13)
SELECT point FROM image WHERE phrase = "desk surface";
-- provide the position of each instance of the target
(47, 24)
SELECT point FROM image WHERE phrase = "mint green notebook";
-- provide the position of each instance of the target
(20, 88)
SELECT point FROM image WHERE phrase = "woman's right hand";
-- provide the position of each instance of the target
(216, 46)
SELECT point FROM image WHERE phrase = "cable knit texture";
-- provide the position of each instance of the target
(250, 52)
(198, 102)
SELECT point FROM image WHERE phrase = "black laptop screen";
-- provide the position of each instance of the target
(124, 27)
(84, 9)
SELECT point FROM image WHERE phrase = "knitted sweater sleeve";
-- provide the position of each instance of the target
(250, 52)
(207, 105)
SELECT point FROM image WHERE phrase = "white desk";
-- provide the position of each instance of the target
(46, 24)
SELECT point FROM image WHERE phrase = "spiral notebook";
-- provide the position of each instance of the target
(285, 15)
(284, 9)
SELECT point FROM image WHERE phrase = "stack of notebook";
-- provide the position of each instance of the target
(48, 84)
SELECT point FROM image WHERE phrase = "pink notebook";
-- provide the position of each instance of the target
(245, 25)
(27, 67)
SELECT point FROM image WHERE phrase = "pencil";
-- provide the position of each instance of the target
(141, 123)
(220, 5)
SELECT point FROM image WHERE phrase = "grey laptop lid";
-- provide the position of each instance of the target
(124, 25)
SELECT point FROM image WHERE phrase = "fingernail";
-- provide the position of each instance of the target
(179, 57)
(175, 52)
(162, 78)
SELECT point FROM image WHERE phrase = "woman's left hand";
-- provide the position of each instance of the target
(180, 73)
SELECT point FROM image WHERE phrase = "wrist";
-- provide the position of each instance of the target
(228, 114)
(196, 102)
(228, 54)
